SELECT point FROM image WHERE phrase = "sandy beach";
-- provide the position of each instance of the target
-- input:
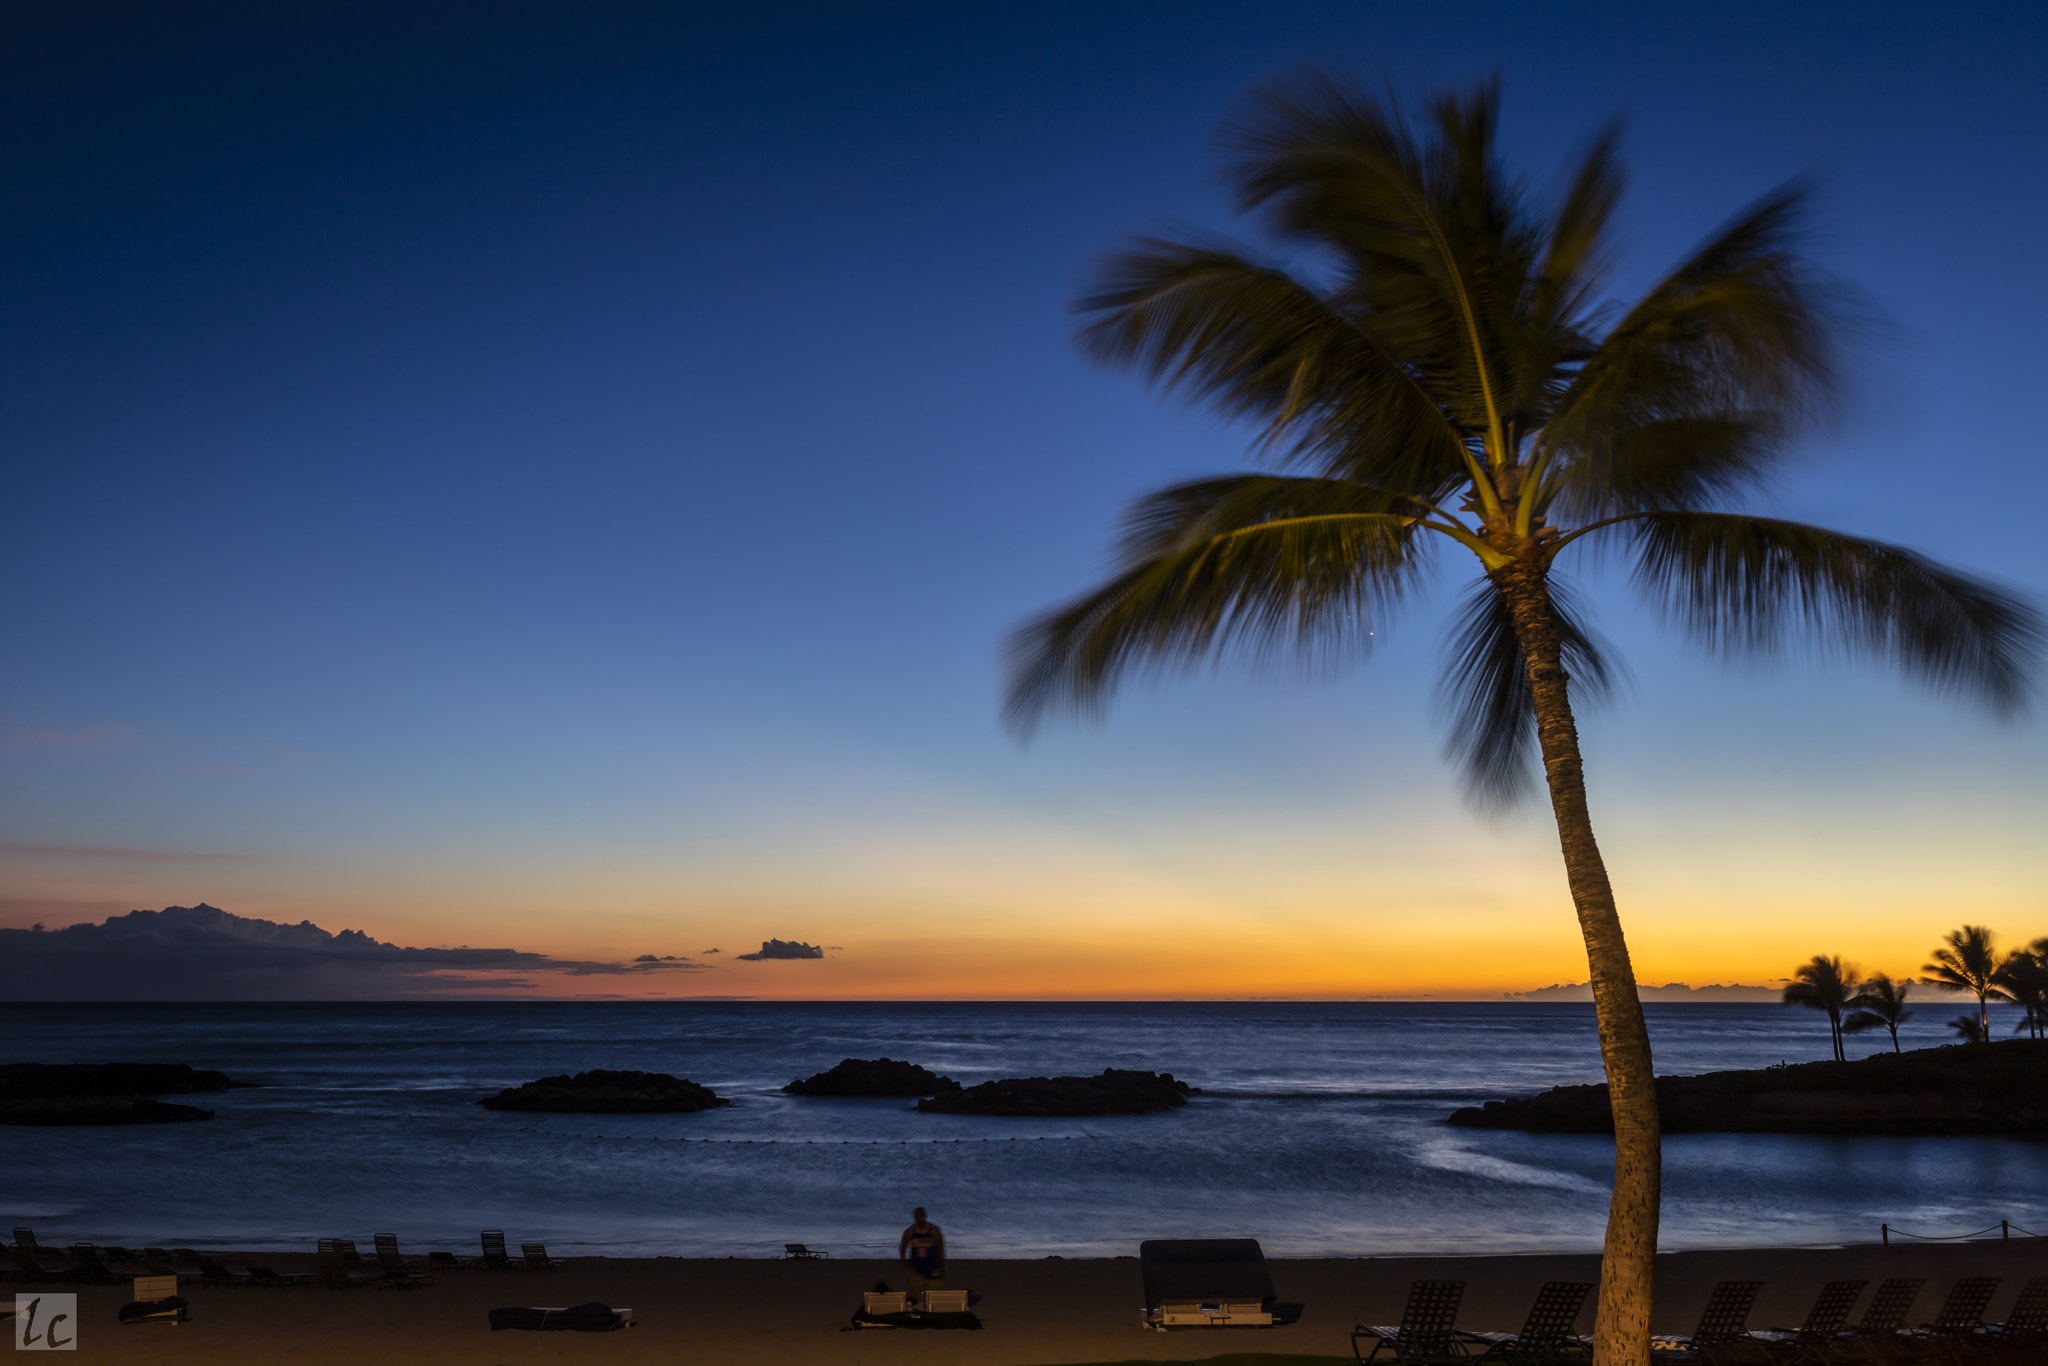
(1037, 1313)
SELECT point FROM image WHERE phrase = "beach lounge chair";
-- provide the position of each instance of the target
(879, 1302)
(443, 1261)
(1207, 1283)
(1723, 1331)
(537, 1259)
(942, 1302)
(1548, 1336)
(1960, 1318)
(334, 1268)
(1427, 1334)
(159, 1262)
(90, 1270)
(348, 1251)
(218, 1273)
(390, 1259)
(393, 1271)
(27, 1267)
(264, 1277)
(797, 1252)
(593, 1317)
(495, 1257)
(1882, 1323)
(2027, 1324)
(1822, 1336)
(156, 1301)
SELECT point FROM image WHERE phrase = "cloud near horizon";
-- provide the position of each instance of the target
(202, 953)
(782, 949)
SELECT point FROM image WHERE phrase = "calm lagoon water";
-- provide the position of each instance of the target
(1320, 1132)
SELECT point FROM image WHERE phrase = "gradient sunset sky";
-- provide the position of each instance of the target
(559, 475)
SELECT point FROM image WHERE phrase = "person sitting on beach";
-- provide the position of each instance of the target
(922, 1250)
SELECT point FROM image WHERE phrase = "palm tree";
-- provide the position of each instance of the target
(1822, 983)
(2023, 978)
(1969, 961)
(1441, 375)
(1970, 1029)
(1879, 1003)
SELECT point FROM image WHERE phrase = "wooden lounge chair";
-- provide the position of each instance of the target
(1723, 1331)
(495, 1257)
(878, 1302)
(156, 1301)
(1428, 1331)
(942, 1302)
(1549, 1335)
(797, 1252)
(537, 1259)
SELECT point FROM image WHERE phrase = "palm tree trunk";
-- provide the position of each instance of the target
(1628, 1265)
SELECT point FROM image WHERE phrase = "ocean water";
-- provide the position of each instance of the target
(1320, 1132)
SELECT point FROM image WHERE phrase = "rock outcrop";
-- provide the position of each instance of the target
(876, 1077)
(1966, 1089)
(103, 1092)
(1113, 1093)
(599, 1092)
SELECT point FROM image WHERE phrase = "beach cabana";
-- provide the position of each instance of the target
(1206, 1283)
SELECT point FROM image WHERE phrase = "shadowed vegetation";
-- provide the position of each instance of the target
(1822, 983)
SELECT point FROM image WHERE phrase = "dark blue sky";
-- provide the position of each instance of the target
(570, 466)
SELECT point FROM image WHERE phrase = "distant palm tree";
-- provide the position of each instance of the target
(1969, 962)
(1879, 1003)
(1443, 374)
(1971, 1029)
(1822, 983)
(2023, 977)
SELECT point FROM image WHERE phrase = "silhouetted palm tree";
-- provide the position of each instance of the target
(1822, 983)
(2023, 977)
(1443, 374)
(1971, 1029)
(1879, 1003)
(1969, 962)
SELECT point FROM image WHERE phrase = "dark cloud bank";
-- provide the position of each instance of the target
(782, 948)
(202, 953)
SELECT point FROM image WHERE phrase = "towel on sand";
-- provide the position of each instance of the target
(594, 1317)
(964, 1319)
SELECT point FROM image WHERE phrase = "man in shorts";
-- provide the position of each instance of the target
(922, 1250)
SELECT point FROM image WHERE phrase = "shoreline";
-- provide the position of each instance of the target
(1041, 1312)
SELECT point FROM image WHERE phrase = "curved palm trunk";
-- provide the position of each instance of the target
(1628, 1265)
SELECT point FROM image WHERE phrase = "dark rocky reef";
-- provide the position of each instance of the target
(1962, 1089)
(1113, 1093)
(879, 1077)
(103, 1092)
(599, 1092)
